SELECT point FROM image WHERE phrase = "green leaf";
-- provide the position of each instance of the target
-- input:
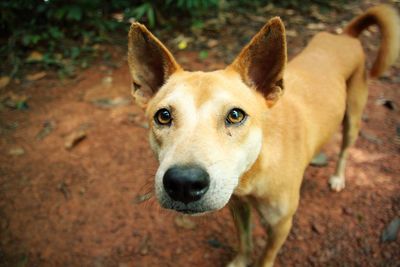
(60, 13)
(75, 52)
(56, 33)
(31, 39)
(140, 11)
(151, 17)
(203, 54)
(74, 13)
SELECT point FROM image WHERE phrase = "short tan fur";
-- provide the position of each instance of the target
(289, 111)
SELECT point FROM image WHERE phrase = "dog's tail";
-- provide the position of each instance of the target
(387, 19)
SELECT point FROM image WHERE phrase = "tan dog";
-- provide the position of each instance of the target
(223, 136)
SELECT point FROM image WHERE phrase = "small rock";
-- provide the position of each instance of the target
(111, 103)
(215, 243)
(16, 151)
(123, 264)
(63, 187)
(347, 211)
(370, 137)
(261, 242)
(320, 160)
(299, 237)
(48, 127)
(397, 137)
(74, 138)
(138, 120)
(319, 229)
(82, 190)
(390, 232)
(387, 254)
(365, 117)
(387, 103)
(338, 30)
(183, 221)
(107, 80)
(144, 245)
(178, 250)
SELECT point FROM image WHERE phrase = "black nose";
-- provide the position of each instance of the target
(186, 183)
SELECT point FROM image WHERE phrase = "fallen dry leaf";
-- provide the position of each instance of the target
(291, 33)
(212, 43)
(316, 26)
(35, 56)
(4, 81)
(182, 44)
(16, 151)
(12, 100)
(36, 76)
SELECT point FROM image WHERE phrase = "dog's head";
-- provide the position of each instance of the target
(206, 128)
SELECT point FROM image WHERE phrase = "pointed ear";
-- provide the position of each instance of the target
(261, 62)
(150, 63)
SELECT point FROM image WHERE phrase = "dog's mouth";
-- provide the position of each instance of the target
(184, 209)
(188, 211)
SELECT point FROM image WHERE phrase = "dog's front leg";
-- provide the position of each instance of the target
(241, 213)
(276, 217)
(277, 235)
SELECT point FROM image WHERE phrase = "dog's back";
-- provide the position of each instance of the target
(319, 76)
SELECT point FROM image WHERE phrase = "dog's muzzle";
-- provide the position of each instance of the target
(186, 183)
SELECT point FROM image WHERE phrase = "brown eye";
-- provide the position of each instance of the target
(235, 116)
(163, 117)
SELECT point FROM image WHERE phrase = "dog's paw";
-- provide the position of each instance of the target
(336, 183)
(238, 261)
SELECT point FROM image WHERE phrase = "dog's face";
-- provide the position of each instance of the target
(203, 121)
(206, 129)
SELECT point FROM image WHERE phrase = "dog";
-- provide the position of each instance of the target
(244, 135)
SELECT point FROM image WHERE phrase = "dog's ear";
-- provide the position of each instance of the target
(150, 63)
(261, 62)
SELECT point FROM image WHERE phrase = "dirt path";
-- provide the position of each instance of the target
(86, 205)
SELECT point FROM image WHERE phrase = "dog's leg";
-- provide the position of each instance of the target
(241, 213)
(357, 93)
(277, 234)
(277, 221)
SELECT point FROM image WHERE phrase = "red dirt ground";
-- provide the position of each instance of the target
(83, 206)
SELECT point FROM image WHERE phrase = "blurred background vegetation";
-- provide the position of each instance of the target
(65, 35)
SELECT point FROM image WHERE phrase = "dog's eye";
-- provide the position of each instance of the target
(235, 116)
(163, 117)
